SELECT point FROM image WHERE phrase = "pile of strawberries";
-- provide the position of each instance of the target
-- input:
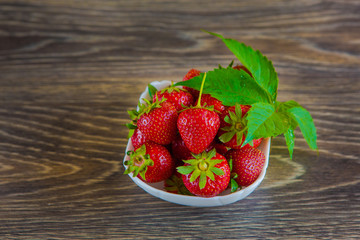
(192, 142)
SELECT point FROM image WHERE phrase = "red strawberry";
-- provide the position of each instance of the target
(157, 122)
(181, 152)
(220, 148)
(247, 164)
(151, 163)
(206, 175)
(179, 149)
(192, 73)
(177, 96)
(241, 67)
(255, 143)
(244, 109)
(207, 100)
(198, 128)
(138, 139)
(233, 127)
(198, 125)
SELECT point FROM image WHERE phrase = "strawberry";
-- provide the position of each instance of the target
(241, 67)
(192, 73)
(233, 127)
(220, 148)
(151, 163)
(244, 109)
(198, 125)
(247, 164)
(207, 100)
(181, 152)
(255, 143)
(177, 96)
(206, 174)
(138, 139)
(157, 121)
(198, 128)
(179, 149)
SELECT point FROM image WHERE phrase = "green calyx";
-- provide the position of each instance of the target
(139, 162)
(234, 186)
(143, 108)
(203, 167)
(132, 127)
(237, 126)
(175, 184)
(171, 89)
(152, 90)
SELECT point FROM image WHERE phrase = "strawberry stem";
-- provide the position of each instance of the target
(203, 166)
(201, 90)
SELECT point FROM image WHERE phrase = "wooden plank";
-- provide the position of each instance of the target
(69, 71)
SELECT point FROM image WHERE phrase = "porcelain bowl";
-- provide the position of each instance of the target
(226, 197)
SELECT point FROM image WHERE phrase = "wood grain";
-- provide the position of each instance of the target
(69, 71)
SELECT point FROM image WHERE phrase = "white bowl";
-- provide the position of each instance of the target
(226, 197)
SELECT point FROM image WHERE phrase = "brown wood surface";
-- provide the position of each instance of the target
(69, 71)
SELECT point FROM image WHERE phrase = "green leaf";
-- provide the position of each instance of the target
(202, 181)
(210, 174)
(142, 174)
(131, 133)
(227, 136)
(195, 175)
(170, 182)
(285, 106)
(234, 185)
(290, 140)
(238, 111)
(148, 161)
(230, 86)
(289, 134)
(233, 116)
(306, 124)
(298, 116)
(152, 90)
(261, 68)
(217, 171)
(130, 126)
(239, 138)
(264, 121)
(227, 128)
(142, 151)
(191, 161)
(185, 169)
(213, 162)
(231, 164)
(211, 153)
(133, 114)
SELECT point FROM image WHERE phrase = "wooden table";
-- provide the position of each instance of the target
(70, 70)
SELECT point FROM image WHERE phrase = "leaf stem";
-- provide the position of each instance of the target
(201, 90)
